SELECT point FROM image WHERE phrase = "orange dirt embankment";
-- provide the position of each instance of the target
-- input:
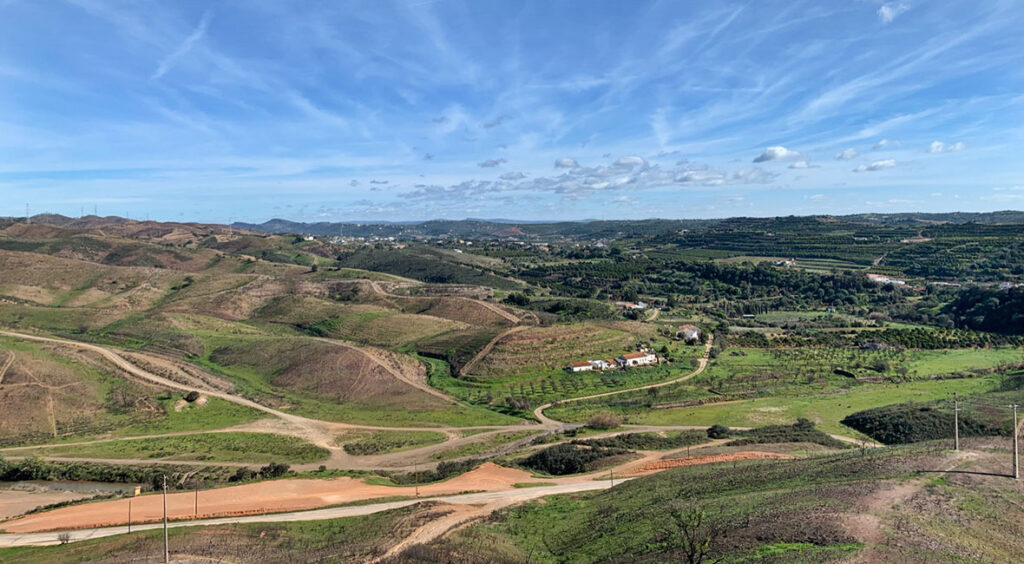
(261, 497)
(659, 465)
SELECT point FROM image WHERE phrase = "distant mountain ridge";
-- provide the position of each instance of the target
(598, 229)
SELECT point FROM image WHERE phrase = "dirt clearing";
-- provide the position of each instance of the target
(263, 497)
(659, 465)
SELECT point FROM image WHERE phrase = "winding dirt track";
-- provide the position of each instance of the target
(488, 348)
(299, 498)
(6, 366)
(702, 364)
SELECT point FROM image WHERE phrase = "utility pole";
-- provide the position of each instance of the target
(129, 515)
(611, 477)
(956, 423)
(416, 476)
(196, 514)
(167, 552)
(1016, 464)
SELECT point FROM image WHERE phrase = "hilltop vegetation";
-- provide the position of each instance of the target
(820, 509)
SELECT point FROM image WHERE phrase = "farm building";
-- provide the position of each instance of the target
(601, 364)
(688, 333)
(636, 359)
(582, 366)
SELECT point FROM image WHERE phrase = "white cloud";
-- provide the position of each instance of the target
(184, 47)
(630, 162)
(566, 162)
(777, 153)
(888, 11)
(816, 197)
(512, 176)
(885, 144)
(753, 175)
(940, 147)
(877, 165)
(846, 154)
(491, 163)
(802, 164)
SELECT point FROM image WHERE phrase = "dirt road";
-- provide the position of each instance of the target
(513, 496)
(278, 496)
(488, 348)
(702, 364)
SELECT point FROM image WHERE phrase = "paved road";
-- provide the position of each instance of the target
(514, 496)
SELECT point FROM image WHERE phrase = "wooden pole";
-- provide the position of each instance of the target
(129, 515)
(956, 423)
(167, 552)
(196, 513)
(1016, 460)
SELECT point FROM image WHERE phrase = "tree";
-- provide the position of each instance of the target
(693, 532)
(604, 420)
(718, 432)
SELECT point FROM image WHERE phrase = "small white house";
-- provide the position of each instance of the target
(636, 359)
(579, 366)
(600, 364)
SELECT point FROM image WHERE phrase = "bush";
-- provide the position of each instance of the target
(646, 441)
(274, 470)
(192, 396)
(604, 420)
(718, 432)
(563, 459)
(802, 431)
(910, 423)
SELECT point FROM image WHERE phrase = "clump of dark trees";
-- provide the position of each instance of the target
(915, 422)
(563, 459)
(443, 471)
(989, 309)
(803, 431)
(148, 476)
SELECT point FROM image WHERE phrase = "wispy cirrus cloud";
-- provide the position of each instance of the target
(171, 59)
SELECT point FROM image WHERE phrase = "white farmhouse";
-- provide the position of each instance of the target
(579, 366)
(636, 359)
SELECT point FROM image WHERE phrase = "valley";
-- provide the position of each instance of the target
(279, 378)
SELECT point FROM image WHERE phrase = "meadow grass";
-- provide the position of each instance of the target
(212, 447)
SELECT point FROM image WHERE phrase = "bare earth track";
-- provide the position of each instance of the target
(298, 500)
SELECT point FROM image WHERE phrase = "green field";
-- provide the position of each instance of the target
(381, 442)
(210, 447)
(826, 410)
(491, 444)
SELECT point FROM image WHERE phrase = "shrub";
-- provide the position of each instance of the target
(910, 422)
(563, 459)
(718, 432)
(646, 441)
(192, 396)
(802, 431)
(604, 420)
(274, 470)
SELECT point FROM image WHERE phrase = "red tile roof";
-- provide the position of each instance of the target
(631, 356)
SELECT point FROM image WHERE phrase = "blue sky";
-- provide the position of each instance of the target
(419, 109)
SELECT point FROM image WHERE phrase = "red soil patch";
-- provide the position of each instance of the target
(659, 465)
(262, 497)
